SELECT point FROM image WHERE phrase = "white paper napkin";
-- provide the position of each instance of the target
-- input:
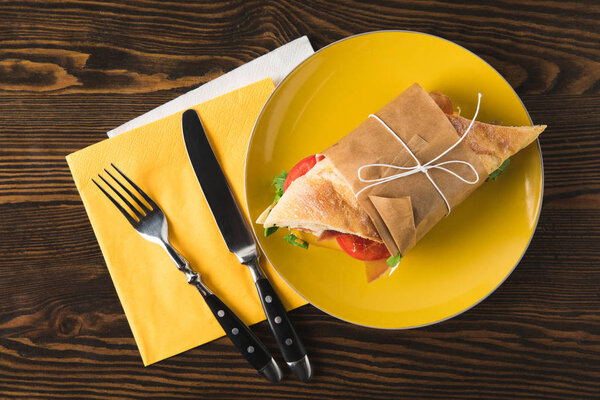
(275, 65)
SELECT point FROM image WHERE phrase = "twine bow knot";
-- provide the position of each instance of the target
(424, 168)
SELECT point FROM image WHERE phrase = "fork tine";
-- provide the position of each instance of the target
(141, 204)
(127, 202)
(136, 187)
(116, 203)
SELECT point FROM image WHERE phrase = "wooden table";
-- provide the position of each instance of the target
(70, 71)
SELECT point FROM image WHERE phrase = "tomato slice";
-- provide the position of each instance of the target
(301, 168)
(361, 248)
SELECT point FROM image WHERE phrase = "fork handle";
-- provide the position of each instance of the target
(253, 350)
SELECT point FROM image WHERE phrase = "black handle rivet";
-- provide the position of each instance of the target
(278, 319)
(268, 299)
(288, 341)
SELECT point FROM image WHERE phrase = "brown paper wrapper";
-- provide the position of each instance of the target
(405, 209)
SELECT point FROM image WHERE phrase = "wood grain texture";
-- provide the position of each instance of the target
(72, 70)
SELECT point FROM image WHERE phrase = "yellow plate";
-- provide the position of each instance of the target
(467, 255)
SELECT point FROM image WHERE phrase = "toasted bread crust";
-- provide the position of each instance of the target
(494, 143)
(322, 200)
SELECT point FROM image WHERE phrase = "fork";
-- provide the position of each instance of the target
(150, 222)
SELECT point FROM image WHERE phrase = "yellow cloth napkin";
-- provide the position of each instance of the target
(167, 316)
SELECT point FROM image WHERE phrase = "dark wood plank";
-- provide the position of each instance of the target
(71, 70)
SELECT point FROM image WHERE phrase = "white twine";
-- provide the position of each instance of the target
(407, 171)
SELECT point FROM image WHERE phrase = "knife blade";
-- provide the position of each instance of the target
(239, 239)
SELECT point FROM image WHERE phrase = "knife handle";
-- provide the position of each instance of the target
(289, 342)
(242, 337)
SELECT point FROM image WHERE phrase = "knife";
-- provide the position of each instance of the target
(240, 241)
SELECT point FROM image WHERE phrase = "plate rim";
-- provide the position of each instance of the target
(537, 219)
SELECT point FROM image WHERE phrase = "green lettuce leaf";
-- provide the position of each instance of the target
(393, 261)
(278, 183)
(500, 169)
(270, 230)
(292, 239)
